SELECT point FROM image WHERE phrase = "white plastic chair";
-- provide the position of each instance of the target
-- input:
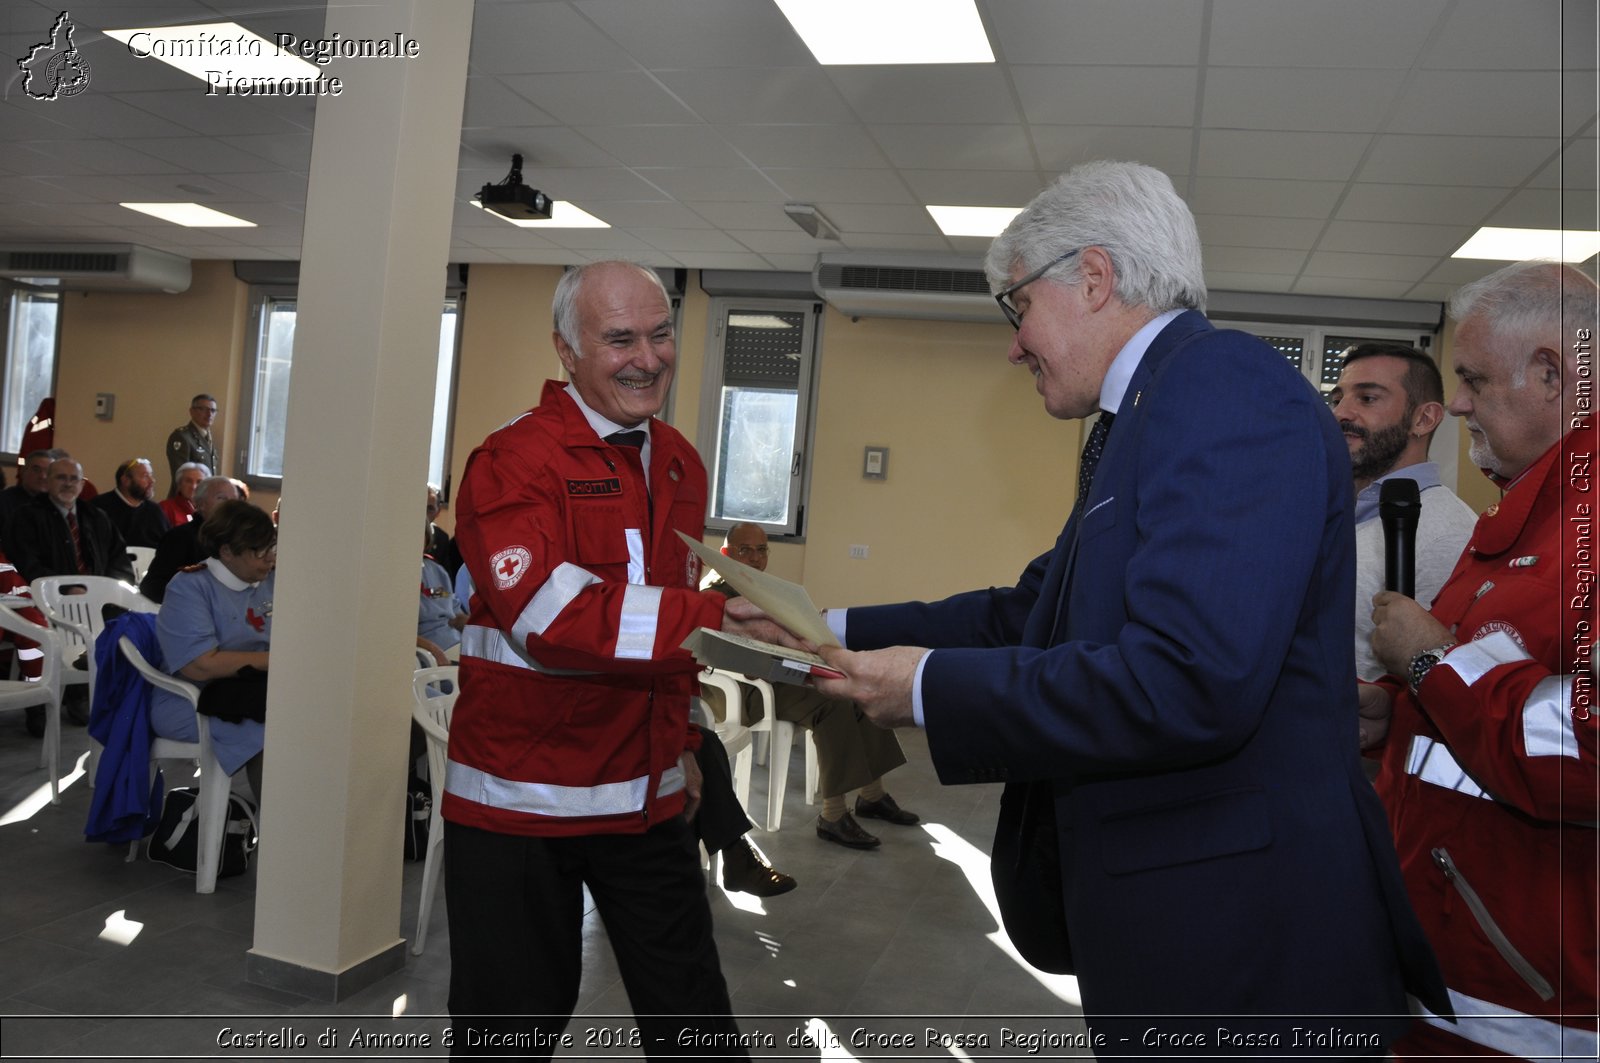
(736, 738)
(20, 693)
(140, 557)
(214, 785)
(433, 693)
(73, 604)
(779, 736)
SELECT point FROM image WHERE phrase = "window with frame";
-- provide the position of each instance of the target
(760, 377)
(269, 359)
(1317, 351)
(33, 329)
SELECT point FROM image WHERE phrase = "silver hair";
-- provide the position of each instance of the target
(186, 466)
(1128, 209)
(1527, 304)
(207, 487)
(564, 307)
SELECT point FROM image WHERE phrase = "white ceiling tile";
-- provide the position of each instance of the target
(1394, 238)
(1061, 147)
(734, 185)
(581, 184)
(23, 119)
(1458, 271)
(667, 145)
(1227, 281)
(858, 219)
(1547, 208)
(784, 242)
(201, 155)
(1352, 287)
(673, 34)
(1499, 162)
(1437, 293)
(1346, 34)
(542, 148)
(1377, 267)
(791, 263)
(991, 147)
(613, 97)
(785, 94)
(974, 188)
(1119, 32)
(1270, 198)
(195, 112)
(728, 260)
(866, 241)
(966, 93)
(1427, 204)
(491, 103)
(729, 216)
(842, 186)
(1573, 169)
(1298, 98)
(1286, 155)
(542, 38)
(1493, 35)
(1504, 103)
(682, 240)
(1235, 230)
(660, 214)
(1252, 259)
(1104, 95)
(830, 146)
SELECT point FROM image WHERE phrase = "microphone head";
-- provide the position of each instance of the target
(1399, 499)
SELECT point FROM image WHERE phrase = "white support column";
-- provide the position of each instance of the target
(378, 215)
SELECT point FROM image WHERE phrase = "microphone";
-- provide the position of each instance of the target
(1399, 505)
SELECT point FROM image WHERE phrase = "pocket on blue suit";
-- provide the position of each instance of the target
(1199, 828)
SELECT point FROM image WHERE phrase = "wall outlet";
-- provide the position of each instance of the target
(858, 553)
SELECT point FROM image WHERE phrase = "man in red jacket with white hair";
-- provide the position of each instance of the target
(571, 753)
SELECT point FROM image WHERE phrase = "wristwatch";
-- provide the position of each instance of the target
(1423, 663)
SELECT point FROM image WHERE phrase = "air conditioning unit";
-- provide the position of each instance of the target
(929, 286)
(95, 267)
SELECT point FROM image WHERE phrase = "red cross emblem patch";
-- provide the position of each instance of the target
(509, 565)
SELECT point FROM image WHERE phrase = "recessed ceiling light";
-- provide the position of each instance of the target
(1518, 245)
(563, 215)
(973, 221)
(191, 214)
(843, 32)
(211, 46)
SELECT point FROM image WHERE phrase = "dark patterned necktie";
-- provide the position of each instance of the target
(1092, 450)
(77, 543)
(633, 438)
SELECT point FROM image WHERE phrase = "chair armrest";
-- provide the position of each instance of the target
(155, 677)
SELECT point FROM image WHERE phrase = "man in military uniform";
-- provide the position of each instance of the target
(193, 441)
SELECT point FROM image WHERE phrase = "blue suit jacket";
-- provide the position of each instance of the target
(1175, 680)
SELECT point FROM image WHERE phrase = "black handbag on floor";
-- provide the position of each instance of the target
(177, 840)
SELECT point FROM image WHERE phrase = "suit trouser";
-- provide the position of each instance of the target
(516, 938)
(722, 820)
(851, 749)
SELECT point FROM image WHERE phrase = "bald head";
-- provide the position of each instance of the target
(747, 543)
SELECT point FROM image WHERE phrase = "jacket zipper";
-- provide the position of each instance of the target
(1491, 929)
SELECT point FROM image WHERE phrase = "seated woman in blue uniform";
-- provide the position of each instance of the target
(439, 619)
(215, 621)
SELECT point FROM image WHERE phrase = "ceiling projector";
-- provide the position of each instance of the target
(513, 199)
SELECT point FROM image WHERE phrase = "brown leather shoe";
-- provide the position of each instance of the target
(885, 808)
(744, 870)
(846, 832)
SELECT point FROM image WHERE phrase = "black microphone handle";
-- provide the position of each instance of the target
(1399, 506)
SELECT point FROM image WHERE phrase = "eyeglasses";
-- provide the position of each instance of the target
(1003, 296)
(742, 551)
(265, 552)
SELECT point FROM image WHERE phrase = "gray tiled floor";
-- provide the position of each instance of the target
(866, 940)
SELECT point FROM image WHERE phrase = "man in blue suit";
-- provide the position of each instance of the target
(1169, 692)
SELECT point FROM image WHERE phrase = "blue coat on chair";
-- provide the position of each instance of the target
(1170, 695)
(125, 806)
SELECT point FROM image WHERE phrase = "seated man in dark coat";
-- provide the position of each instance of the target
(180, 547)
(57, 534)
(130, 507)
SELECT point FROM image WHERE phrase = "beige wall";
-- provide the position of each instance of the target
(153, 352)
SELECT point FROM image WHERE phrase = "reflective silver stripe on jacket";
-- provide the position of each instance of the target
(565, 582)
(492, 644)
(636, 633)
(1432, 762)
(635, 539)
(549, 799)
(1512, 1032)
(1472, 660)
(1547, 728)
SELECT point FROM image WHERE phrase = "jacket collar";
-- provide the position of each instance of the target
(1501, 524)
(220, 573)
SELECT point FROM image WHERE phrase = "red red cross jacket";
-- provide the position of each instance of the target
(574, 701)
(1490, 779)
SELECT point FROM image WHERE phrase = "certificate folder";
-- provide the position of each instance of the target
(762, 660)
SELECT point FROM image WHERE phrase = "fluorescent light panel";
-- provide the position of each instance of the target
(164, 40)
(192, 215)
(563, 215)
(858, 32)
(973, 221)
(1518, 245)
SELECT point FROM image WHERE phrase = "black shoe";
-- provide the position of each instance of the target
(75, 705)
(36, 720)
(846, 832)
(744, 870)
(884, 808)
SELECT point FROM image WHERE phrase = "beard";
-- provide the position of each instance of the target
(1481, 454)
(137, 491)
(1380, 449)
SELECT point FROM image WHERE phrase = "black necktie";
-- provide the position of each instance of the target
(633, 438)
(1092, 449)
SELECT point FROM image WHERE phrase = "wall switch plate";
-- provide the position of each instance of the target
(105, 405)
(858, 553)
(875, 464)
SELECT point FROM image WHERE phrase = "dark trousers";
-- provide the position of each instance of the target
(516, 944)
(722, 820)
